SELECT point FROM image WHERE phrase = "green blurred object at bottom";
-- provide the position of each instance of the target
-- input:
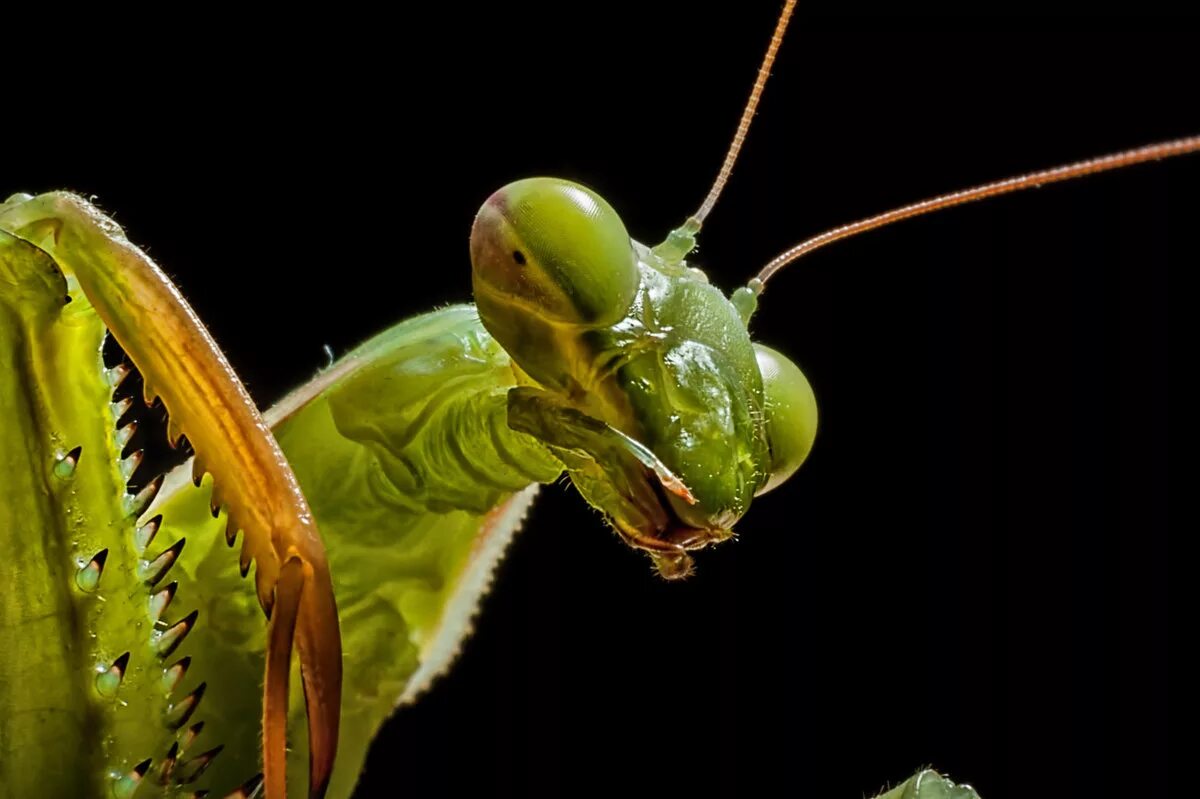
(929, 784)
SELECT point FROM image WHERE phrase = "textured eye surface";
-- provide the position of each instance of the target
(791, 414)
(556, 247)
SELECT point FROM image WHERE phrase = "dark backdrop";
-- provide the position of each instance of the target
(971, 571)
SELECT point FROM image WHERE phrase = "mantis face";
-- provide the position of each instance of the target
(642, 376)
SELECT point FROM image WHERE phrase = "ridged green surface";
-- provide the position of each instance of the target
(397, 566)
(63, 733)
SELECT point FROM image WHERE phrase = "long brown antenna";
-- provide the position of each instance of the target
(739, 137)
(1151, 152)
(682, 239)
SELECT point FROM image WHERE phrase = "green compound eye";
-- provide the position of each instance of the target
(556, 248)
(791, 414)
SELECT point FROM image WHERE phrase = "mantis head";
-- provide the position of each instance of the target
(636, 372)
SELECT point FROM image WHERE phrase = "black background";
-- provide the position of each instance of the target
(970, 572)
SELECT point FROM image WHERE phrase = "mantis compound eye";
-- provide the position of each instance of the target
(791, 414)
(556, 249)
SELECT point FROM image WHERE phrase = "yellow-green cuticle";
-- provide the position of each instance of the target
(557, 247)
(791, 414)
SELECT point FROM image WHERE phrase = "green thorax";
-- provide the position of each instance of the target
(416, 416)
(417, 483)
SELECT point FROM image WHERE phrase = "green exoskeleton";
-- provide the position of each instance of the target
(587, 353)
(132, 640)
(637, 375)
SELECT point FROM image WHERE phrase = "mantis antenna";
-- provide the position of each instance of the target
(743, 127)
(1138, 155)
(682, 240)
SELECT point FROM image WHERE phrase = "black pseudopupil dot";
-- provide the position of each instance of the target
(519, 257)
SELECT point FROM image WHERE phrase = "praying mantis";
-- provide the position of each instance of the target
(666, 621)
